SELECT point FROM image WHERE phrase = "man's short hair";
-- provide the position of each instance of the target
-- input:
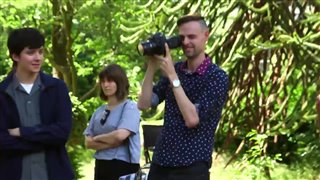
(189, 18)
(24, 37)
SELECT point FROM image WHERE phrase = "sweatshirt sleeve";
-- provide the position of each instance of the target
(9, 143)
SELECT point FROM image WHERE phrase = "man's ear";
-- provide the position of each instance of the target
(15, 57)
(207, 33)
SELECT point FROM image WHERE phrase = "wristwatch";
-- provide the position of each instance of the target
(176, 83)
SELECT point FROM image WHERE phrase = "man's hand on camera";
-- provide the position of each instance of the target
(153, 62)
(166, 64)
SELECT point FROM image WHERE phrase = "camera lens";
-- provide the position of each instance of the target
(174, 42)
(146, 48)
(155, 44)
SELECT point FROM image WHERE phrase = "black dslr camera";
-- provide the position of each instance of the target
(155, 44)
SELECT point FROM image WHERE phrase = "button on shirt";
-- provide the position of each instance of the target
(207, 89)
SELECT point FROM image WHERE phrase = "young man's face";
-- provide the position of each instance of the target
(29, 60)
(194, 38)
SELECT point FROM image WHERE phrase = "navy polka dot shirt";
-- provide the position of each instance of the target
(207, 88)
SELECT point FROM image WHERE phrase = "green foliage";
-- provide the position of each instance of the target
(270, 50)
(75, 144)
(76, 154)
(308, 148)
(256, 155)
(272, 71)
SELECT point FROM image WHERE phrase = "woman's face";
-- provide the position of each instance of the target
(109, 87)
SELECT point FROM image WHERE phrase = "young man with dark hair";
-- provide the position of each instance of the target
(35, 115)
(194, 92)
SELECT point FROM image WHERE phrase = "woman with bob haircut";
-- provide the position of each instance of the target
(113, 130)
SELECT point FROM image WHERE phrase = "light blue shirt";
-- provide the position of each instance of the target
(130, 120)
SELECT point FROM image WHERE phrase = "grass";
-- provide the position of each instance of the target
(236, 171)
(88, 171)
(216, 170)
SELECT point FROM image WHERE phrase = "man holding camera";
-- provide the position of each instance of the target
(194, 92)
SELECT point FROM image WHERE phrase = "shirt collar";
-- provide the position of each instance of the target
(201, 69)
(16, 83)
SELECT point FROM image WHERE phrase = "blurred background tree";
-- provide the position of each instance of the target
(270, 49)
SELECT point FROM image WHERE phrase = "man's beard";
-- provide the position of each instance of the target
(191, 54)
